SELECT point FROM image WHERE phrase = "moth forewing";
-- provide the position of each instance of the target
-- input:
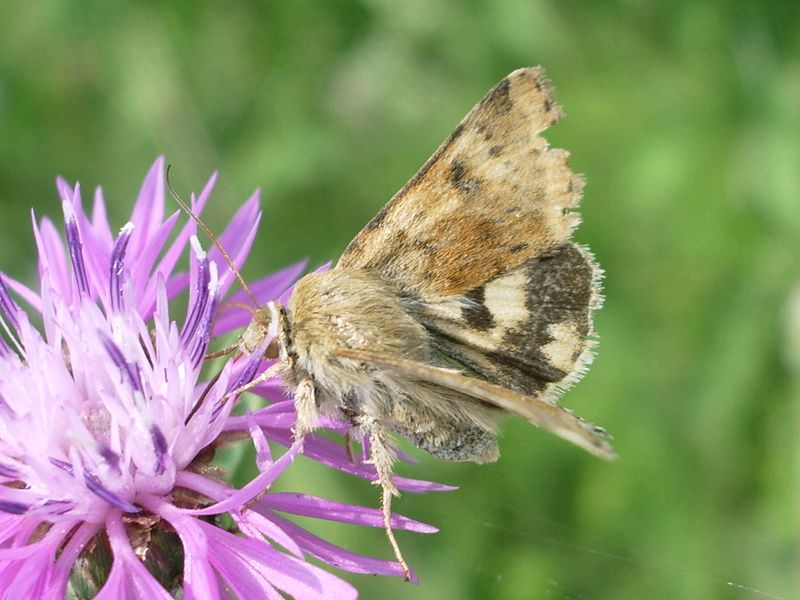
(493, 196)
(544, 414)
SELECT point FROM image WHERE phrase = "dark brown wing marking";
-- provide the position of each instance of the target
(529, 329)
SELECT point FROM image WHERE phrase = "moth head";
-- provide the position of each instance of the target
(269, 322)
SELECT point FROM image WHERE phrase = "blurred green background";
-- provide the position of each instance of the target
(685, 117)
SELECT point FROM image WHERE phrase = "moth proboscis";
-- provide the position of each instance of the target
(461, 299)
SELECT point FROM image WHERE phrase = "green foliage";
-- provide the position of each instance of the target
(683, 115)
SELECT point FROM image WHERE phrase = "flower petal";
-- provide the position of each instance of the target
(252, 489)
(76, 544)
(339, 557)
(250, 567)
(129, 579)
(149, 208)
(322, 508)
(329, 453)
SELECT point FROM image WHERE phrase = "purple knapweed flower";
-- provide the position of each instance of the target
(108, 427)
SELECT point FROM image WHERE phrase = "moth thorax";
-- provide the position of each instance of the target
(341, 309)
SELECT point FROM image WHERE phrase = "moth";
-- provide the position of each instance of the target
(461, 300)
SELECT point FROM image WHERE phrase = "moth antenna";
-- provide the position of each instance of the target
(246, 307)
(187, 209)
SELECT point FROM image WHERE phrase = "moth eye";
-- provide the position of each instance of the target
(272, 350)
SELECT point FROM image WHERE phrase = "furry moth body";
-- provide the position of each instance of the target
(462, 298)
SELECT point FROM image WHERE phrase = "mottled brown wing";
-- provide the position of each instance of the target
(553, 418)
(491, 198)
(529, 329)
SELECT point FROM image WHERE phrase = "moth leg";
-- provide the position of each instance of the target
(220, 353)
(305, 404)
(267, 374)
(382, 457)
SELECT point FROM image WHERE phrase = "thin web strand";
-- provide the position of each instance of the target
(640, 559)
